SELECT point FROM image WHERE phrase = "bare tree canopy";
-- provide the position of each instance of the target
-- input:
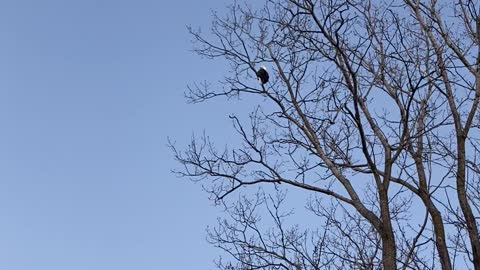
(371, 110)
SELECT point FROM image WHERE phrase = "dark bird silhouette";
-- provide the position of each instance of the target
(262, 75)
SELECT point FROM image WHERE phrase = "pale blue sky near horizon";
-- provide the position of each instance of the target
(89, 92)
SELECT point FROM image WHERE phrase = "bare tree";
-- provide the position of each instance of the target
(371, 111)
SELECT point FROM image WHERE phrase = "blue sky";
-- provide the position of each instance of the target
(89, 92)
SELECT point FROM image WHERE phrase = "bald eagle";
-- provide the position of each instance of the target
(262, 75)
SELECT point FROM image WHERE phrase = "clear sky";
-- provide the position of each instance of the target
(89, 92)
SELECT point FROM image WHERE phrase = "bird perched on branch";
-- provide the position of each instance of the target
(262, 75)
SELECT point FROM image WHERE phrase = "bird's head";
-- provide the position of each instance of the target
(264, 68)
